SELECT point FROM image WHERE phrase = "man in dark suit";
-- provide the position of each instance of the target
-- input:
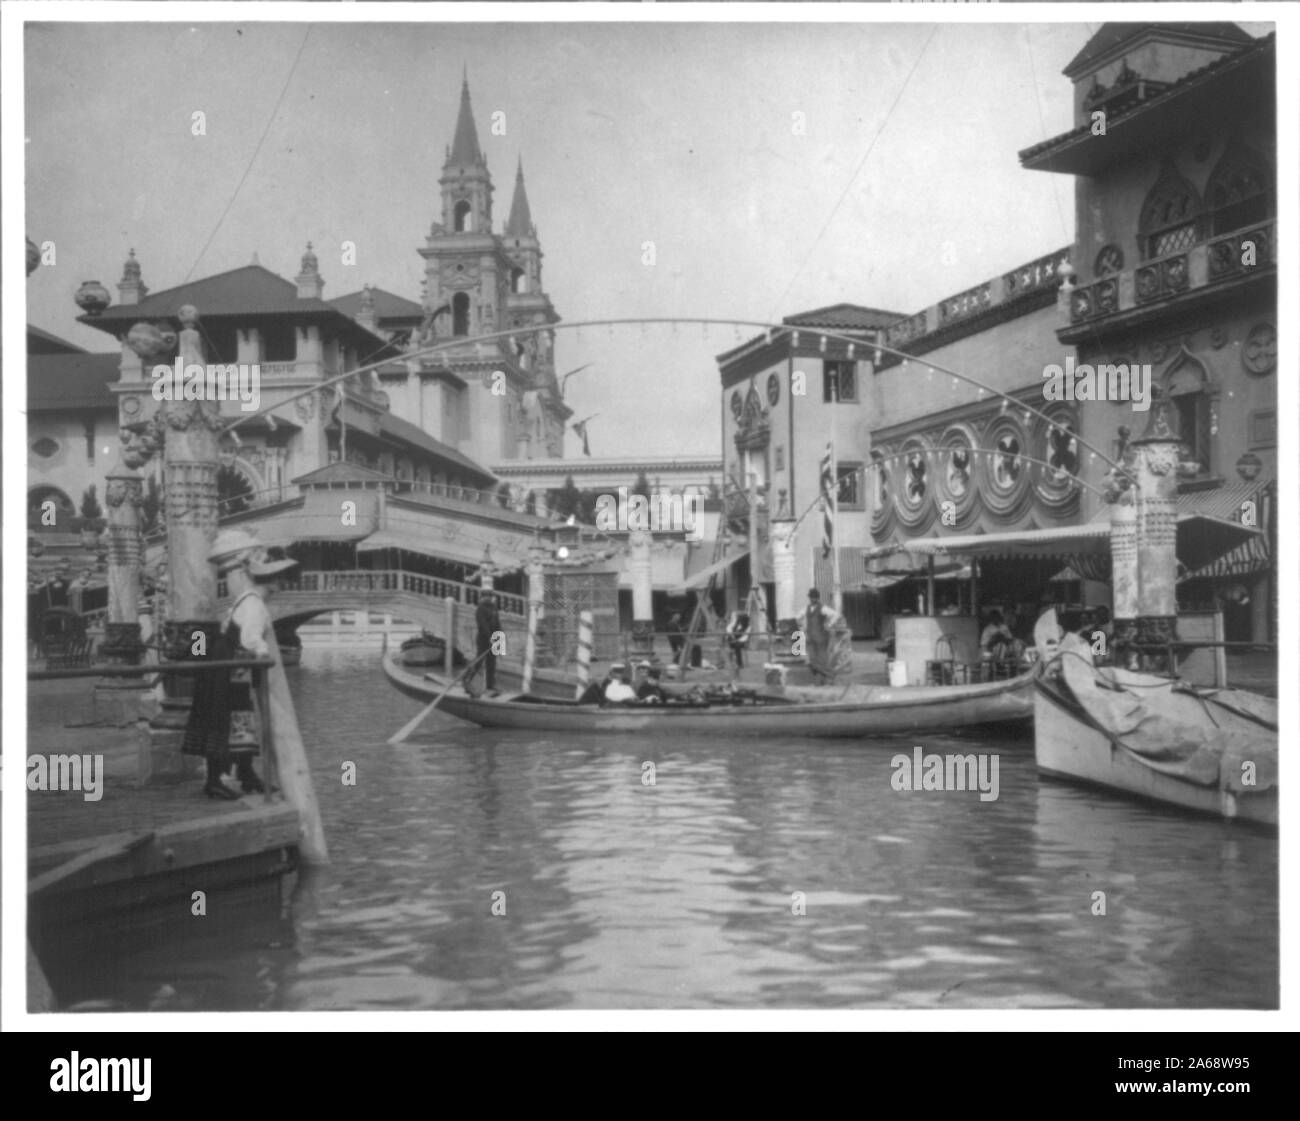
(488, 622)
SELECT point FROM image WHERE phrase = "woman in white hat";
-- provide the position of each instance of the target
(223, 725)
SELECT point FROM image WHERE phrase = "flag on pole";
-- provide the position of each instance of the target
(580, 427)
(828, 489)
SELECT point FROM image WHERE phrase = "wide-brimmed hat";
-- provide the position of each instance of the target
(232, 549)
(269, 566)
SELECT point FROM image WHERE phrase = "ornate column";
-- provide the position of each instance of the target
(191, 456)
(639, 568)
(783, 570)
(123, 496)
(190, 459)
(1156, 461)
(1124, 568)
(1157, 540)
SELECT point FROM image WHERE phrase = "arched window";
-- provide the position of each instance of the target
(460, 314)
(461, 220)
(64, 510)
(234, 491)
(518, 281)
(1239, 192)
(1170, 216)
(1187, 387)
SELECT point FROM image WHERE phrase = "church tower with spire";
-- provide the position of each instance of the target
(497, 398)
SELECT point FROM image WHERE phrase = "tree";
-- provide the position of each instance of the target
(90, 507)
(566, 501)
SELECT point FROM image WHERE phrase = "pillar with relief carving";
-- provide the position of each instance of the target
(783, 572)
(1124, 568)
(191, 457)
(123, 498)
(1156, 467)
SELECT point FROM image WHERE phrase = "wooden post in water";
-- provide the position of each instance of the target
(280, 720)
(639, 568)
(449, 649)
(536, 575)
(586, 625)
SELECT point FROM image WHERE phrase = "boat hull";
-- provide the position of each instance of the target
(892, 711)
(1067, 745)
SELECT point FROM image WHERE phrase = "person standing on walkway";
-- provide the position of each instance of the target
(817, 639)
(223, 725)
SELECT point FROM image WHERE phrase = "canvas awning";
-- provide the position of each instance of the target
(1092, 537)
(461, 549)
(1202, 538)
(324, 516)
(701, 579)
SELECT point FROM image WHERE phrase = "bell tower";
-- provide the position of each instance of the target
(467, 275)
(466, 183)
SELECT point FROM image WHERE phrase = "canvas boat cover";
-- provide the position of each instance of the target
(1202, 736)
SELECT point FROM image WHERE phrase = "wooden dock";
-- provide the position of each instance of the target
(133, 858)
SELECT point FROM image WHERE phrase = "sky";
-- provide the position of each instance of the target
(890, 191)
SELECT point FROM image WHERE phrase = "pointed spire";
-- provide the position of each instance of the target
(520, 223)
(464, 146)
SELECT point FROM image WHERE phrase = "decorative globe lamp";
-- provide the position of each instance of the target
(92, 297)
(149, 340)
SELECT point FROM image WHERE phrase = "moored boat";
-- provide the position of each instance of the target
(1207, 751)
(423, 649)
(854, 711)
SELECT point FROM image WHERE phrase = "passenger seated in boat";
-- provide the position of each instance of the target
(997, 643)
(650, 691)
(619, 690)
(594, 693)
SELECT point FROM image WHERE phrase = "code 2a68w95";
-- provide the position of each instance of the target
(1214, 1062)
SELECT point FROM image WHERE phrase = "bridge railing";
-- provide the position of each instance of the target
(399, 580)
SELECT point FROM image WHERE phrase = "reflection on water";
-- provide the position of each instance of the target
(683, 894)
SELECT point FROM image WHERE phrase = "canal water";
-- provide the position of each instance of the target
(683, 894)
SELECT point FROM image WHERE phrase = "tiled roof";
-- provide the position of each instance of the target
(42, 342)
(335, 473)
(1112, 35)
(1256, 47)
(71, 381)
(387, 305)
(250, 289)
(845, 316)
(414, 434)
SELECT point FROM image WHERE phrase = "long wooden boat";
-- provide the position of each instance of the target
(852, 712)
(1154, 738)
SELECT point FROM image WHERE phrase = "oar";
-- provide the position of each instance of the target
(405, 731)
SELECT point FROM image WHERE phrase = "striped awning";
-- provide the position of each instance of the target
(853, 568)
(1246, 559)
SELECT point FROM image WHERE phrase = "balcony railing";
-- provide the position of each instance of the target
(1038, 275)
(1214, 261)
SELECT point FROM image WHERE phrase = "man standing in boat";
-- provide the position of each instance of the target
(487, 620)
(828, 639)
